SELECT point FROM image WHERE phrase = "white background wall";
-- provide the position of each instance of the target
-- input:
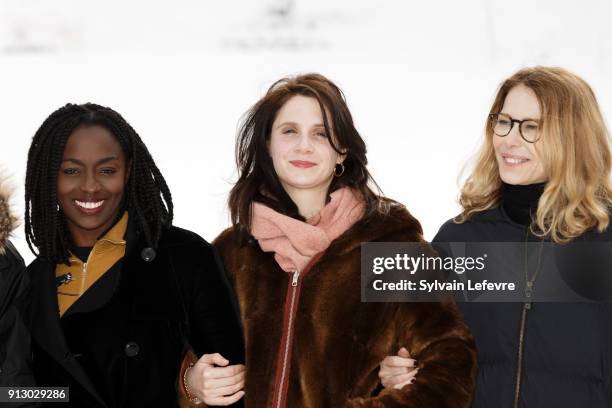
(419, 78)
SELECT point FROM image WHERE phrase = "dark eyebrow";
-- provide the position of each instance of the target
(286, 124)
(101, 161)
(295, 124)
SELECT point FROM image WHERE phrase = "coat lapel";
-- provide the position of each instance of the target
(99, 294)
(45, 324)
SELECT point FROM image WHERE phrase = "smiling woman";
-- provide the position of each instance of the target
(118, 294)
(301, 153)
(90, 184)
(515, 149)
(301, 208)
(543, 174)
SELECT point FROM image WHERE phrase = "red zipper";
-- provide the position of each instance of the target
(283, 363)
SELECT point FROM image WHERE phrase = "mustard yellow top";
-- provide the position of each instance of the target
(106, 252)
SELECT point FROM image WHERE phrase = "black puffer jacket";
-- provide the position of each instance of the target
(14, 337)
(567, 360)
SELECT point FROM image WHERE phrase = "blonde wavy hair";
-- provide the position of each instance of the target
(574, 148)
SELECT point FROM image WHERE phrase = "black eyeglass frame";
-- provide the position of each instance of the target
(494, 116)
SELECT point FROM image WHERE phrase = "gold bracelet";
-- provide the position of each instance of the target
(192, 398)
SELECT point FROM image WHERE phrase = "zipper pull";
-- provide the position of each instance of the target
(528, 293)
(296, 275)
(85, 268)
(63, 279)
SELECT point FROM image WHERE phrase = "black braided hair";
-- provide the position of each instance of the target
(147, 197)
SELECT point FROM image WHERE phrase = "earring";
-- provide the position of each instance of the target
(341, 170)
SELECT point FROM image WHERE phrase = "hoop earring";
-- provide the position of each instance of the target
(341, 170)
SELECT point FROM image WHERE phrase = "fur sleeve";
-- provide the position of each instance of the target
(436, 336)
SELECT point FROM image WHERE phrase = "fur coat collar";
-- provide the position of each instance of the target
(8, 221)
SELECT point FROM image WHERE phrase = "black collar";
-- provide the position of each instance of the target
(520, 203)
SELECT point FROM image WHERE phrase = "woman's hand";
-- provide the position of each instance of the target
(215, 382)
(397, 371)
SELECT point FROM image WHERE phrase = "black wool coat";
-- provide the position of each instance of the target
(121, 344)
(567, 347)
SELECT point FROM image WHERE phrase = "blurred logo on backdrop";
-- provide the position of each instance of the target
(35, 27)
(287, 25)
(38, 26)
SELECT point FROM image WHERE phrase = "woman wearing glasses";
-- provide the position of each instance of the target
(543, 173)
(301, 208)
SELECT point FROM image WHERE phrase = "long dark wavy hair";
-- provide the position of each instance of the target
(146, 197)
(257, 180)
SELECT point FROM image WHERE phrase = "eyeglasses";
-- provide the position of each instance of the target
(502, 125)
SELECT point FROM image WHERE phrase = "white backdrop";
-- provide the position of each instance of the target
(419, 78)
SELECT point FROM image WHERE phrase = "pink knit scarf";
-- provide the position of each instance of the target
(295, 242)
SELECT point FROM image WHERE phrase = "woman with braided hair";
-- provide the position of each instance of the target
(118, 294)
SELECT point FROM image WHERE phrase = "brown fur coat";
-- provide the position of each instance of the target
(338, 341)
